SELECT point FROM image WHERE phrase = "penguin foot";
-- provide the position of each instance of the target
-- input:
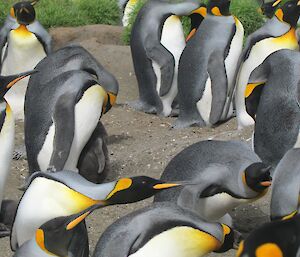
(4, 230)
(142, 107)
(180, 124)
(20, 154)
(174, 113)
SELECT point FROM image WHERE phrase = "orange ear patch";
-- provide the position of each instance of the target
(241, 249)
(268, 250)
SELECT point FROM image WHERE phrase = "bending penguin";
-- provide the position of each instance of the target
(66, 193)
(157, 41)
(196, 17)
(22, 47)
(163, 230)
(224, 174)
(207, 67)
(286, 188)
(277, 33)
(62, 110)
(7, 134)
(273, 102)
(276, 239)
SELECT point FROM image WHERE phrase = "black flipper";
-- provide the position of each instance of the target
(219, 82)
(93, 162)
(64, 110)
(166, 62)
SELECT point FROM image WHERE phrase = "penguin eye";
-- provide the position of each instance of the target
(144, 182)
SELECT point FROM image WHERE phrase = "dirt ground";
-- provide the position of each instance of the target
(139, 144)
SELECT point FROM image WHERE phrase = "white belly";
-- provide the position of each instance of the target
(44, 200)
(128, 11)
(215, 207)
(205, 103)
(178, 242)
(7, 134)
(23, 54)
(85, 123)
(259, 52)
(172, 38)
(232, 60)
(297, 144)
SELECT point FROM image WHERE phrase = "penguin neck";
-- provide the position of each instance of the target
(22, 30)
(280, 16)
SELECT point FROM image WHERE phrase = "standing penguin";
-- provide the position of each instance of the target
(207, 67)
(286, 188)
(163, 230)
(275, 239)
(7, 134)
(273, 101)
(62, 110)
(157, 41)
(66, 193)
(224, 174)
(22, 47)
(277, 33)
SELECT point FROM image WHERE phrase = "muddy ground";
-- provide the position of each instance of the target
(138, 143)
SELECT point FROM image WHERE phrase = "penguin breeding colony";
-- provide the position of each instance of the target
(191, 87)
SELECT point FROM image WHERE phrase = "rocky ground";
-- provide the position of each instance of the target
(138, 143)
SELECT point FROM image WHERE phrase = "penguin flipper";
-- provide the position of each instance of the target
(217, 73)
(64, 131)
(43, 36)
(94, 160)
(162, 56)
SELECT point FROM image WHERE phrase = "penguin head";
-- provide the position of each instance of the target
(268, 9)
(257, 177)
(130, 190)
(289, 12)
(24, 12)
(196, 17)
(219, 7)
(6, 82)
(229, 239)
(54, 236)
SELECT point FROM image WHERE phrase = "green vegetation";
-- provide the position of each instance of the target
(54, 13)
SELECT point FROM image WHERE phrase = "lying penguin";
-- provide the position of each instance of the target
(273, 102)
(22, 46)
(275, 239)
(66, 193)
(286, 187)
(62, 110)
(276, 34)
(225, 175)
(163, 230)
(7, 134)
(207, 67)
(157, 41)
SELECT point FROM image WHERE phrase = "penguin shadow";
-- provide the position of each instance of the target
(117, 139)
(247, 218)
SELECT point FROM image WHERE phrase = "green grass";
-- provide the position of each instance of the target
(54, 13)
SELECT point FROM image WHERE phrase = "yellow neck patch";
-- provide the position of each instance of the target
(250, 88)
(40, 240)
(216, 11)
(22, 31)
(279, 14)
(268, 249)
(288, 40)
(122, 184)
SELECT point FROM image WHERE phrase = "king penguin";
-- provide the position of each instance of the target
(157, 41)
(286, 188)
(273, 102)
(276, 34)
(7, 134)
(66, 193)
(207, 67)
(275, 239)
(225, 175)
(24, 47)
(62, 110)
(163, 230)
(196, 17)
